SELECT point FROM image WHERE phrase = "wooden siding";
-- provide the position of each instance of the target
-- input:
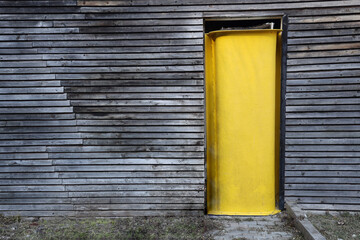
(102, 104)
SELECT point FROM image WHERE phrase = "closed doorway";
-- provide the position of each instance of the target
(243, 120)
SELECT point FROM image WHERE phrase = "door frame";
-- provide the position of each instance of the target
(284, 24)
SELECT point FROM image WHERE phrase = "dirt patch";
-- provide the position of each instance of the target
(119, 228)
(344, 225)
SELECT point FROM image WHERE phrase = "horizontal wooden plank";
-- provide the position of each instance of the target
(347, 141)
(36, 110)
(327, 134)
(127, 155)
(32, 142)
(324, 53)
(36, 207)
(327, 39)
(323, 154)
(35, 103)
(144, 174)
(330, 207)
(137, 89)
(325, 200)
(323, 128)
(128, 161)
(129, 22)
(135, 54)
(308, 61)
(31, 162)
(315, 95)
(29, 116)
(133, 62)
(323, 108)
(133, 122)
(139, 193)
(129, 168)
(25, 96)
(113, 213)
(22, 24)
(41, 16)
(224, 7)
(136, 103)
(118, 43)
(127, 76)
(32, 90)
(322, 19)
(108, 149)
(22, 149)
(342, 121)
(35, 155)
(314, 47)
(27, 175)
(317, 74)
(133, 188)
(140, 69)
(15, 45)
(319, 67)
(142, 129)
(328, 25)
(163, 135)
(326, 187)
(36, 129)
(167, 3)
(38, 30)
(40, 123)
(323, 167)
(106, 207)
(330, 160)
(32, 3)
(124, 200)
(133, 109)
(30, 188)
(39, 136)
(316, 193)
(37, 76)
(322, 173)
(313, 180)
(143, 29)
(147, 142)
(131, 95)
(59, 194)
(14, 83)
(318, 102)
(27, 169)
(130, 181)
(134, 82)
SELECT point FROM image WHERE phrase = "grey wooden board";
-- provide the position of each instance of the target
(324, 187)
(32, 142)
(107, 174)
(128, 161)
(329, 160)
(323, 180)
(322, 173)
(330, 207)
(333, 200)
(110, 43)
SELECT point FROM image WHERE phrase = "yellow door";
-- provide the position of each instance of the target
(242, 98)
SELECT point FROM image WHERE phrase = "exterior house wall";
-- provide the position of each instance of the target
(102, 105)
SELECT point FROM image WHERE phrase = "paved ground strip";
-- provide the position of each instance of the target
(254, 227)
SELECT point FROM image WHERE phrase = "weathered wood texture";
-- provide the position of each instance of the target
(102, 104)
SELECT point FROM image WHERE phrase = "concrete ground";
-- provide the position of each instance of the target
(256, 227)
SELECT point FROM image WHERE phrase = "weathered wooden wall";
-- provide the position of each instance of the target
(102, 104)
